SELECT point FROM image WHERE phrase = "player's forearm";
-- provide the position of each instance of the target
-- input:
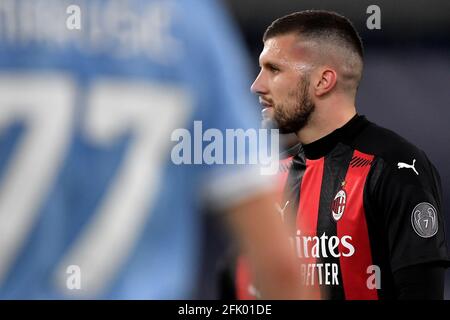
(264, 240)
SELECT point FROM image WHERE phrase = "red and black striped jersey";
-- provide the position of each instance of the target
(365, 203)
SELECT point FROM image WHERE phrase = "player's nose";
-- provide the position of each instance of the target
(259, 86)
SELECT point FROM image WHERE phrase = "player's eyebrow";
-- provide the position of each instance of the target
(269, 65)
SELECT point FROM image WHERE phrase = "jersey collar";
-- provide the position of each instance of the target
(345, 134)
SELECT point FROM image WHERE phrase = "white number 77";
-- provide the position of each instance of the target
(149, 111)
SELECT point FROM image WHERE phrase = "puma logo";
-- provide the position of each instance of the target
(408, 166)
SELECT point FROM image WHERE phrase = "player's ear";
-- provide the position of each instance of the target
(325, 81)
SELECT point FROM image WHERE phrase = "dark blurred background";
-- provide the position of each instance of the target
(406, 81)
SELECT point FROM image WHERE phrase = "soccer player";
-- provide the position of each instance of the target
(91, 203)
(367, 204)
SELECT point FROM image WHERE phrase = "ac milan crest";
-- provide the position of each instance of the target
(339, 202)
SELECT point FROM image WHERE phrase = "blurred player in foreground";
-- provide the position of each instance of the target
(235, 280)
(91, 203)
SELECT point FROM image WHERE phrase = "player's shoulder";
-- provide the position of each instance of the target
(395, 156)
(388, 145)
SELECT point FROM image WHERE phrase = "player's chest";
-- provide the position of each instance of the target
(328, 194)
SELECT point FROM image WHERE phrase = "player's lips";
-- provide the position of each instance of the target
(265, 104)
(267, 111)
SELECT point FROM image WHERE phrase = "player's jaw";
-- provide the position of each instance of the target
(294, 112)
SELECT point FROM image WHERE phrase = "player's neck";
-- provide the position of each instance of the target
(324, 121)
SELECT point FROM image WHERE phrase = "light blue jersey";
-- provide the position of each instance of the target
(91, 204)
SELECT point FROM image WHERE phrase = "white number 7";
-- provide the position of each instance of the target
(45, 104)
(152, 113)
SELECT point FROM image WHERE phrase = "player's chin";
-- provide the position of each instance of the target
(285, 127)
(269, 123)
(284, 130)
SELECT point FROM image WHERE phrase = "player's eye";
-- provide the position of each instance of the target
(273, 69)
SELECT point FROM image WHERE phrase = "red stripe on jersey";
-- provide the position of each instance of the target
(243, 280)
(308, 212)
(353, 223)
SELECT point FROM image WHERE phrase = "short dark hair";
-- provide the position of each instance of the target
(317, 24)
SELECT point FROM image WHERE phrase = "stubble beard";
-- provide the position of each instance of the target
(292, 117)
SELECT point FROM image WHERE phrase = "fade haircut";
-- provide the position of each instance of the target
(331, 33)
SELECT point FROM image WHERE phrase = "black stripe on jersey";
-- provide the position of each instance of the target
(335, 169)
(292, 190)
(377, 235)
